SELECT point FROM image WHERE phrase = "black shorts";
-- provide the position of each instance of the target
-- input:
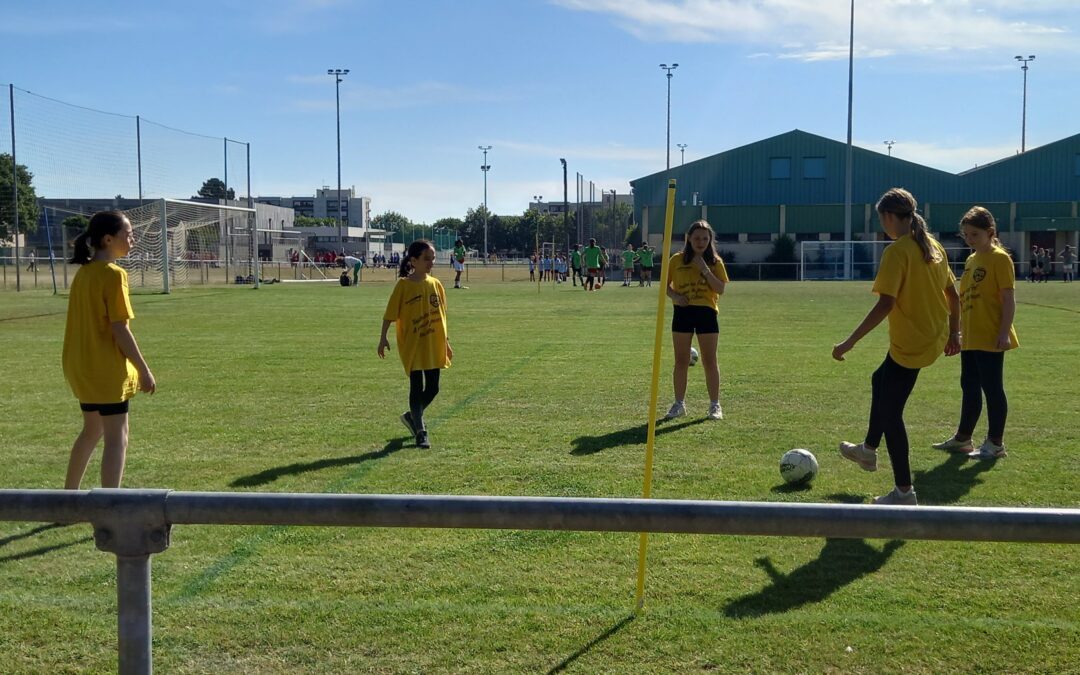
(105, 409)
(694, 319)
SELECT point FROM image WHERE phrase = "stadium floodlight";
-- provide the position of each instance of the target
(682, 153)
(1023, 119)
(337, 73)
(668, 69)
(485, 167)
(889, 144)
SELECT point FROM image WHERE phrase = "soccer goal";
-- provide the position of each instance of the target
(180, 243)
(828, 259)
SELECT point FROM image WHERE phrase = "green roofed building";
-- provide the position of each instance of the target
(794, 184)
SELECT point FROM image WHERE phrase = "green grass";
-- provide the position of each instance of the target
(280, 390)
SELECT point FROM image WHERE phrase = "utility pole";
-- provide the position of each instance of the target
(337, 73)
(682, 153)
(1023, 121)
(670, 68)
(889, 144)
(485, 167)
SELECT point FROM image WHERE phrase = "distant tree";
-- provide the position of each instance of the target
(393, 221)
(75, 224)
(214, 188)
(28, 209)
(472, 228)
(307, 221)
(452, 224)
(783, 250)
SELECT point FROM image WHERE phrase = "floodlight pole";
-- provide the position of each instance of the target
(848, 171)
(485, 167)
(1023, 119)
(668, 69)
(337, 73)
(566, 204)
(682, 153)
(15, 188)
(889, 144)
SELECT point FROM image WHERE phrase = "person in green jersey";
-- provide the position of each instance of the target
(645, 253)
(458, 262)
(629, 257)
(591, 255)
(575, 265)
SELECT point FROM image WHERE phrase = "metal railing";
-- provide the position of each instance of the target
(134, 524)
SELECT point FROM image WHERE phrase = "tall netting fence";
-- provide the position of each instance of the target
(74, 161)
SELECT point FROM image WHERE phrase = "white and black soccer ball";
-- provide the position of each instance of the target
(694, 356)
(798, 466)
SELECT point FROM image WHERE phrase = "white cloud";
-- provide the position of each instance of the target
(818, 29)
(947, 158)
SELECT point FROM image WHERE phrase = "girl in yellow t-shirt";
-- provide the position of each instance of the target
(102, 361)
(987, 308)
(697, 279)
(915, 291)
(418, 308)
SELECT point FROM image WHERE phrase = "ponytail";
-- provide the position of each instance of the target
(921, 234)
(102, 224)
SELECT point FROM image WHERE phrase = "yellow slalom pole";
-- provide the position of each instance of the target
(661, 303)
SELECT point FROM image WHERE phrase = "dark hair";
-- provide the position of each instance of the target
(980, 217)
(710, 255)
(902, 204)
(415, 250)
(101, 224)
(459, 243)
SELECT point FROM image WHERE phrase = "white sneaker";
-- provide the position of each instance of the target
(860, 454)
(715, 411)
(988, 451)
(676, 410)
(897, 498)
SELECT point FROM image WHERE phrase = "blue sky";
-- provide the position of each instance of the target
(543, 79)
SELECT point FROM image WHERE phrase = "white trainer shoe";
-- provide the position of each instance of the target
(676, 410)
(715, 411)
(860, 454)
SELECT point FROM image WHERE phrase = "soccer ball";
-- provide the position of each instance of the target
(798, 466)
(693, 356)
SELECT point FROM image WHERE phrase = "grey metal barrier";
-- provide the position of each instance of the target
(135, 524)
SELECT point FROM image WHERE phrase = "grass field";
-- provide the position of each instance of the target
(280, 390)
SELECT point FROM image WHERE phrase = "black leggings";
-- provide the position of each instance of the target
(891, 385)
(981, 373)
(423, 388)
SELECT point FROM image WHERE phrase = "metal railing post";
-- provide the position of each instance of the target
(134, 625)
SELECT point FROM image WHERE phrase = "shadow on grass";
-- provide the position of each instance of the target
(947, 482)
(587, 445)
(29, 533)
(840, 562)
(271, 475)
(592, 643)
(788, 488)
(42, 550)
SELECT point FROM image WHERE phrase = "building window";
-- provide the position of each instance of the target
(807, 236)
(758, 236)
(813, 167)
(727, 236)
(779, 167)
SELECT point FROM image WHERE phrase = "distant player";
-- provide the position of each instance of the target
(645, 253)
(417, 307)
(629, 257)
(575, 265)
(987, 308)
(698, 279)
(591, 255)
(458, 262)
(915, 291)
(102, 361)
(356, 264)
(1068, 263)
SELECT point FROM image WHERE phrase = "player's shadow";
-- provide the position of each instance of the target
(42, 550)
(587, 445)
(30, 533)
(271, 475)
(841, 562)
(951, 480)
(615, 628)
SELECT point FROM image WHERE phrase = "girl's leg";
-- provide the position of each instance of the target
(971, 400)
(897, 382)
(681, 343)
(431, 385)
(416, 398)
(115, 452)
(991, 371)
(83, 449)
(707, 343)
(875, 427)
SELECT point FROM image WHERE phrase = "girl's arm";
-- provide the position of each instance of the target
(714, 281)
(1008, 313)
(952, 347)
(384, 344)
(677, 297)
(875, 316)
(129, 348)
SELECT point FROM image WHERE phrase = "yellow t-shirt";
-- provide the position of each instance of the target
(919, 321)
(418, 310)
(687, 280)
(985, 275)
(94, 366)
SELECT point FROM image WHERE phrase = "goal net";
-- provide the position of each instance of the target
(180, 243)
(828, 259)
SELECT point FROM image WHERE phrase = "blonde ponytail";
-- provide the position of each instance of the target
(902, 204)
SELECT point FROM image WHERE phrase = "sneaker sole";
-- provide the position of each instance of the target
(408, 426)
(865, 466)
(956, 450)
